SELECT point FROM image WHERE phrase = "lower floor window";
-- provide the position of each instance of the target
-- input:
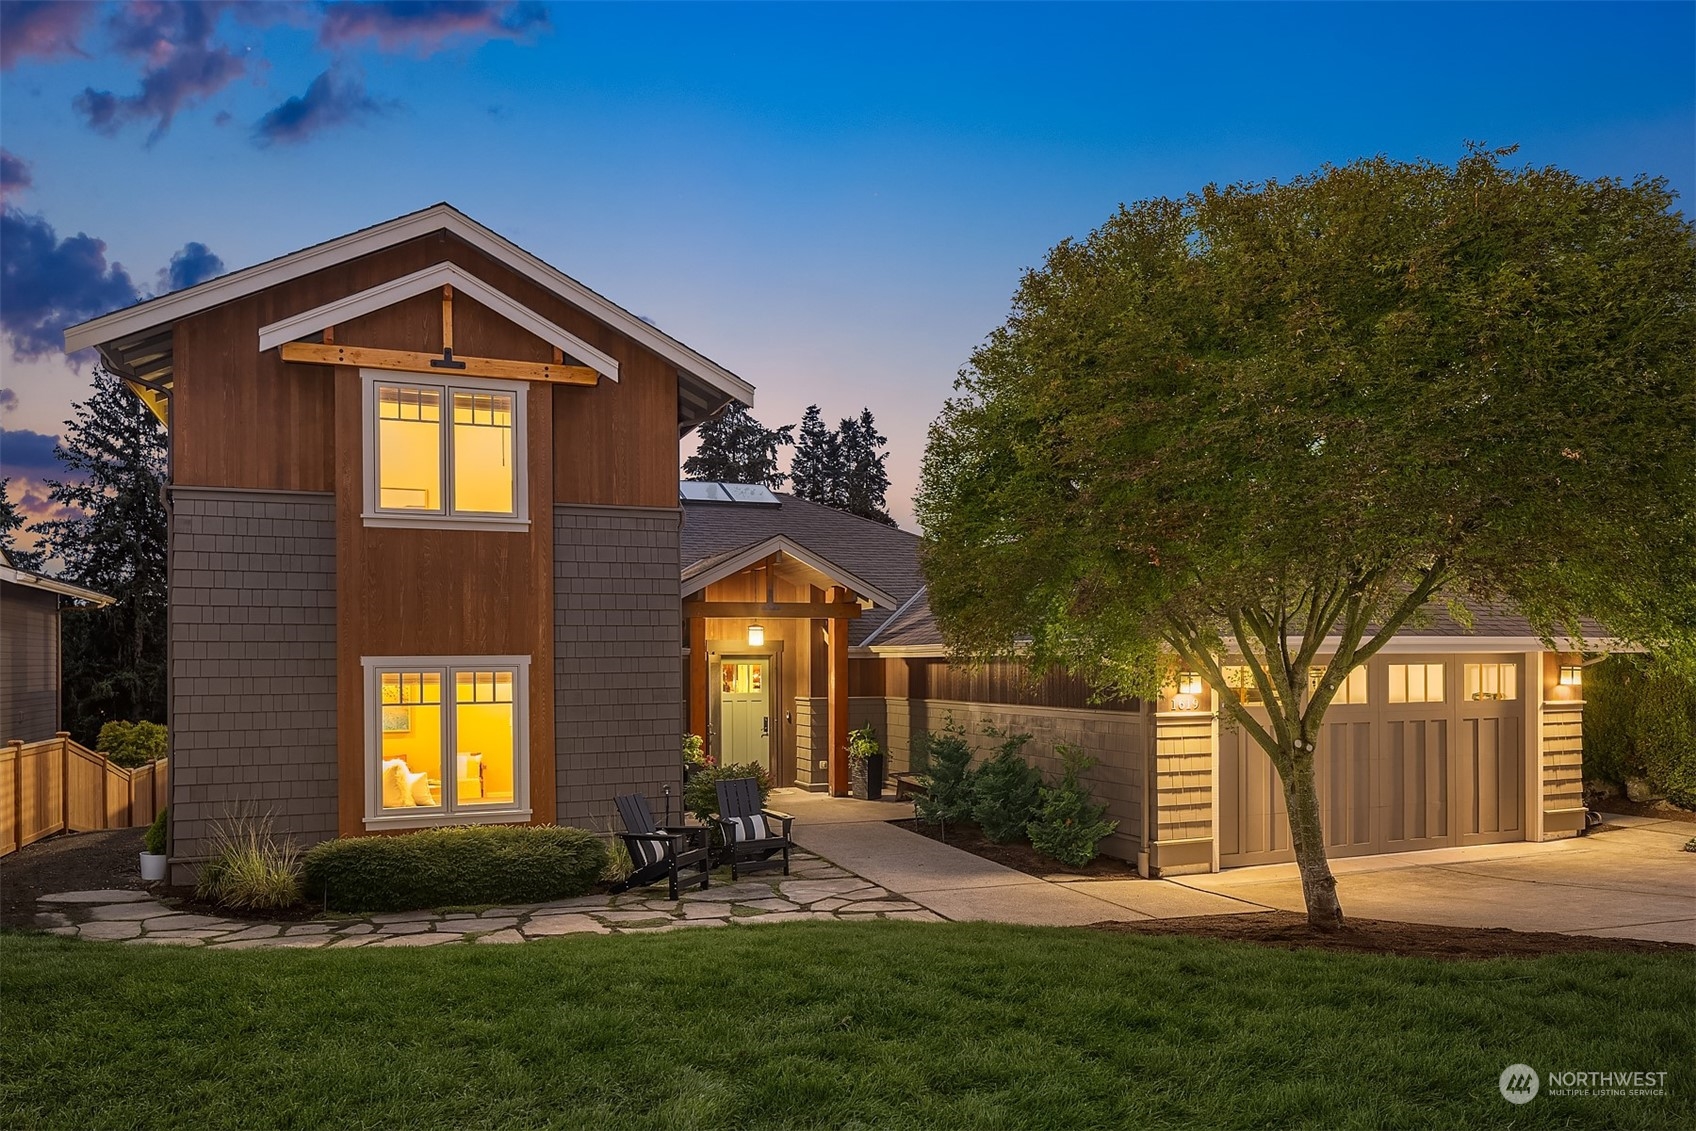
(447, 737)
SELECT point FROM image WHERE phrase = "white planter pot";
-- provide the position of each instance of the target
(152, 867)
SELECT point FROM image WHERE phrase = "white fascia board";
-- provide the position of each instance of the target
(422, 282)
(1408, 645)
(63, 588)
(759, 551)
(170, 308)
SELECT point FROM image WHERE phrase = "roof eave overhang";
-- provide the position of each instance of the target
(53, 585)
(704, 386)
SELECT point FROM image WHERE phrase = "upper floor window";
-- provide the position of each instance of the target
(442, 454)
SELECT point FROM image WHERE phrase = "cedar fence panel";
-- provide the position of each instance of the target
(55, 784)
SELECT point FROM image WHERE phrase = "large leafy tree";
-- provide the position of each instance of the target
(736, 448)
(1279, 421)
(12, 521)
(114, 658)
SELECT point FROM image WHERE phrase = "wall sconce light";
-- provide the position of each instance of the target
(1189, 683)
(1572, 675)
(756, 635)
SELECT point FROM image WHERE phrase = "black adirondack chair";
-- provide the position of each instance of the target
(753, 835)
(660, 854)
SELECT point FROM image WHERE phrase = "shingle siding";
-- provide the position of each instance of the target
(618, 710)
(253, 662)
(29, 683)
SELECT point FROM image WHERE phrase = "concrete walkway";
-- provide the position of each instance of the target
(1630, 879)
(958, 885)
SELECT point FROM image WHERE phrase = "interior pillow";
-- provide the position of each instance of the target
(418, 785)
(397, 790)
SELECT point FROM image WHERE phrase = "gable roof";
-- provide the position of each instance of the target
(135, 341)
(913, 631)
(884, 557)
(720, 566)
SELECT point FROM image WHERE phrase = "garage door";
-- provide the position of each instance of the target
(1429, 753)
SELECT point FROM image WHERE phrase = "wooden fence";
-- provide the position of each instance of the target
(55, 784)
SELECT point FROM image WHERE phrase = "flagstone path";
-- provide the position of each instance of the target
(815, 890)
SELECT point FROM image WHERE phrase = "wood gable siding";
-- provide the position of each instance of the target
(250, 420)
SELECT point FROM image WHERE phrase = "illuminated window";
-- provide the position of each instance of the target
(441, 761)
(441, 454)
(1240, 680)
(1490, 681)
(1416, 683)
(1352, 691)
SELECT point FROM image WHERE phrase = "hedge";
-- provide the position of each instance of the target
(133, 744)
(457, 866)
(1640, 721)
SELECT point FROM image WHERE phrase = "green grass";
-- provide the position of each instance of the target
(851, 1025)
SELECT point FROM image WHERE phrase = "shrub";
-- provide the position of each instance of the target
(1640, 721)
(158, 833)
(1069, 825)
(1665, 733)
(456, 866)
(947, 762)
(249, 869)
(1006, 790)
(695, 751)
(700, 794)
(133, 744)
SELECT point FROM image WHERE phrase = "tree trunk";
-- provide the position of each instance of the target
(1307, 837)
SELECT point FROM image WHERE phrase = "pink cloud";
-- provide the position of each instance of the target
(428, 26)
(40, 29)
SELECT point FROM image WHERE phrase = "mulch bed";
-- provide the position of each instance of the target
(1290, 931)
(1019, 855)
(68, 862)
(1651, 810)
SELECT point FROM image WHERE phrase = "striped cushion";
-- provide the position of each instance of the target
(749, 828)
(644, 852)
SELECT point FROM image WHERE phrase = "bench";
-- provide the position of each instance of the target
(908, 786)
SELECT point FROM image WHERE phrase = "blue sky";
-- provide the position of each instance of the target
(835, 201)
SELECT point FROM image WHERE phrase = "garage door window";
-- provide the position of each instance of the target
(1416, 683)
(1490, 681)
(1352, 693)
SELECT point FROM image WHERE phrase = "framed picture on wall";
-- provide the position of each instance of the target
(397, 720)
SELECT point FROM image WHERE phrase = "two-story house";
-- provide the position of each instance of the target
(424, 523)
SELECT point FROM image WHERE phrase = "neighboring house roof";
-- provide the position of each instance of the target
(31, 580)
(912, 631)
(136, 342)
(884, 558)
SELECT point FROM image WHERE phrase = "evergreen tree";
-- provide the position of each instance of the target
(815, 470)
(736, 448)
(865, 480)
(114, 657)
(10, 522)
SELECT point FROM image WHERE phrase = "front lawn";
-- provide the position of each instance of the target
(873, 1025)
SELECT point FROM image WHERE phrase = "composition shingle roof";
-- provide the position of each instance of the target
(886, 556)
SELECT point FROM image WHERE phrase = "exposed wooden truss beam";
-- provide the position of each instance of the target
(847, 610)
(312, 353)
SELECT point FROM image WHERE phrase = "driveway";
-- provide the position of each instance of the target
(1629, 879)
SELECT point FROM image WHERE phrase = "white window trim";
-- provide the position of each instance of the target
(374, 515)
(519, 810)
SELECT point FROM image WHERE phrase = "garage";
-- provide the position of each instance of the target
(1418, 751)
